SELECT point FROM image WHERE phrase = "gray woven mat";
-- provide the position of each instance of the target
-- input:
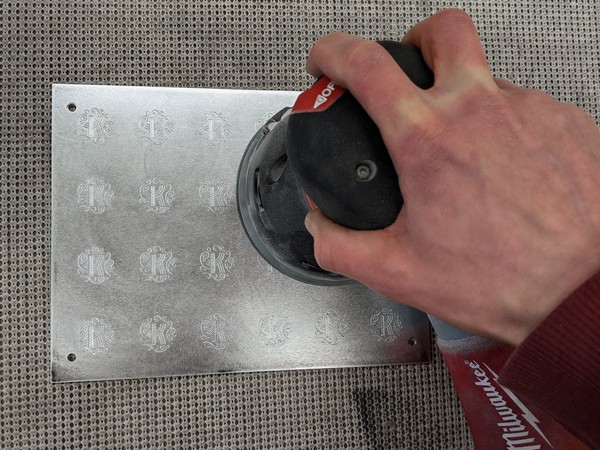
(552, 45)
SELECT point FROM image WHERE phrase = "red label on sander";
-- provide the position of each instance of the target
(319, 97)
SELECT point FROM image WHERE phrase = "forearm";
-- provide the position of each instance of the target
(530, 396)
(558, 366)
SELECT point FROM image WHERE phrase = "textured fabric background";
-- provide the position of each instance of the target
(547, 44)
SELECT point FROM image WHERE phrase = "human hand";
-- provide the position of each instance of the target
(501, 184)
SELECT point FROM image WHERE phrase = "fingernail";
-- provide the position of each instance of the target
(310, 223)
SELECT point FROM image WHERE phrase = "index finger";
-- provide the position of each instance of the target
(370, 73)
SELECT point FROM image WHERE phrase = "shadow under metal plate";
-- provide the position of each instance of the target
(152, 274)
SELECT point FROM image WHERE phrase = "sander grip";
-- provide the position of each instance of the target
(338, 155)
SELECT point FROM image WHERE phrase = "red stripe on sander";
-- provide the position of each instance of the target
(319, 97)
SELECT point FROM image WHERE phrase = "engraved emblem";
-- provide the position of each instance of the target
(214, 128)
(385, 325)
(267, 269)
(157, 334)
(94, 125)
(216, 332)
(331, 327)
(94, 195)
(96, 335)
(95, 265)
(156, 195)
(262, 120)
(216, 196)
(154, 126)
(157, 264)
(274, 330)
(216, 263)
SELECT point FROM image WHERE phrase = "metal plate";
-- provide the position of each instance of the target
(152, 274)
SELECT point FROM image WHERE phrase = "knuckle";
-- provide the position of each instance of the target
(321, 50)
(575, 113)
(327, 39)
(541, 98)
(362, 57)
(418, 134)
(563, 115)
(542, 103)
(483, 102)
(453, 17)
(420, 130)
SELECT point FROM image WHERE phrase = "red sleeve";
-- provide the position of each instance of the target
(557, 368)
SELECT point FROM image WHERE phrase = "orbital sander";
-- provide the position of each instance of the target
(327, 152)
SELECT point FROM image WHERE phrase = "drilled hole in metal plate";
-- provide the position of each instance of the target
(71, 107)
(412, 341)
(71, 357)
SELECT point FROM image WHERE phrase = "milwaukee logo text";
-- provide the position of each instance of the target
(514, 426)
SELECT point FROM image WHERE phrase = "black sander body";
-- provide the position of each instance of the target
(324, 151)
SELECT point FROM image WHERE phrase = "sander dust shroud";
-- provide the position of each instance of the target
(325, 151)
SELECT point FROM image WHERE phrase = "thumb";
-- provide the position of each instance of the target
(374, 258)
